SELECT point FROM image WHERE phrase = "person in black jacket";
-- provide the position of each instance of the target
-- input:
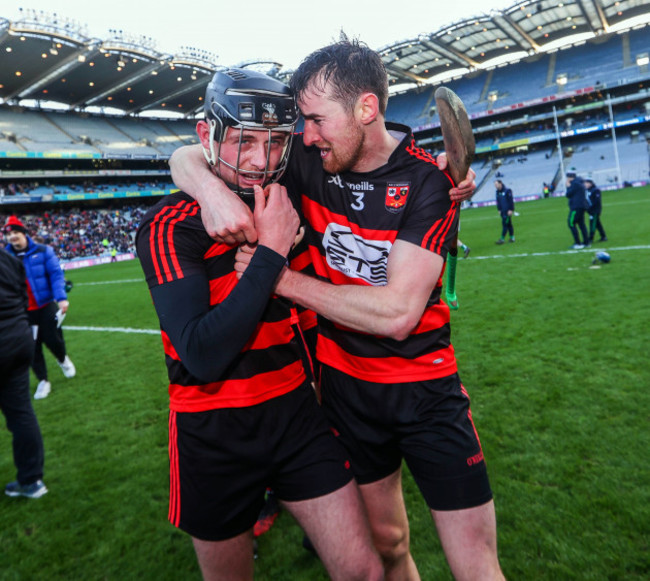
(575, 191)
(15, 402)
(594, 200)
(506, 207)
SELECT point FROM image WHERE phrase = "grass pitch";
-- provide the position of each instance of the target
(552, 352)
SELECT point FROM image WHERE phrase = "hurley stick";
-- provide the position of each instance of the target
(459, 146)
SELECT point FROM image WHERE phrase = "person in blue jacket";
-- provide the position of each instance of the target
(48, 301)
(506, 207)
(575, 191)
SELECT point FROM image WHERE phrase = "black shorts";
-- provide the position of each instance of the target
(426, 423)
(222, 461)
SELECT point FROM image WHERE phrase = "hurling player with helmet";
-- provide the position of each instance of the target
(243, 414)
(380, 223)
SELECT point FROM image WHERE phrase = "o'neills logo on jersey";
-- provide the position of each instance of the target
(360, 187)
(396, 195)
(269, 117)
(363, 186)
(354, 256)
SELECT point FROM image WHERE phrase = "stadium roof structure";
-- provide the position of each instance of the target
(51, 59)
(526, 28)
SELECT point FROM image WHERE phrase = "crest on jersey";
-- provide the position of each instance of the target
(269, 117)
(396, 195)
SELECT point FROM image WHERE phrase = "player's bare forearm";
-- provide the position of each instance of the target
(225, 217)
(366, 309)
(391, 310)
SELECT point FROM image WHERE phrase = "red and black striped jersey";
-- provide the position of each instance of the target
(354, 220)
(207, 312)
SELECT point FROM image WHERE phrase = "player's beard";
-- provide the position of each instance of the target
(346, 156)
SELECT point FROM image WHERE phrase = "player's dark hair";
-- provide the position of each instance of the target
(352, 68)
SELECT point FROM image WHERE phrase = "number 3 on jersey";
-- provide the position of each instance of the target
(358, 201)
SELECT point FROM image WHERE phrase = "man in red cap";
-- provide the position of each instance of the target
(48, 301)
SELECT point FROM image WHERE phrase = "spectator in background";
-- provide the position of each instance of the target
(506, 207)
(15, 357)
(48, 301)
(575, 192)
(594, 199)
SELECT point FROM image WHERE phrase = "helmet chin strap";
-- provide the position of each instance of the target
(210, 155)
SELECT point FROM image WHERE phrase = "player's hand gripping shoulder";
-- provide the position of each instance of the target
(276, 220)
(465, 189)
(225, 217)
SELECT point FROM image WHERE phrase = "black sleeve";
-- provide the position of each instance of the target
(13, 289)
(207, 340)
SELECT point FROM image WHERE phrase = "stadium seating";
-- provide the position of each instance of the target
(77, 232)
(596, 158)
(32, 131)
(606, 62)
(525, 175)
(164, 138)
(506, 83)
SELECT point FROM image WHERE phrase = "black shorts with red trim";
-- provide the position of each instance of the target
(426, 423)
(222, 461)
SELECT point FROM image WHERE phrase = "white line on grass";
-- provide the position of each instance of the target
(113, 330)
(584, 250)
(109, 282)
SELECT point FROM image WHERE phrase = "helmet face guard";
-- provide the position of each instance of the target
(247, 100)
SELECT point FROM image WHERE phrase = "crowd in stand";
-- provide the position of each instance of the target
(83, 232)
(89, 186)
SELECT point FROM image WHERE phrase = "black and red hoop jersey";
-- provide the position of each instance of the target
(227, 342)
(354, 220)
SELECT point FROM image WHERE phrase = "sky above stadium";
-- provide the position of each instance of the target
(284, 31)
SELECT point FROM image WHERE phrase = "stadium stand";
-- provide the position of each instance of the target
(31, 131)
(597, 159)
(164, 138)
(82, 232)
(525, 175)
(506, 88)
(102, 135)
